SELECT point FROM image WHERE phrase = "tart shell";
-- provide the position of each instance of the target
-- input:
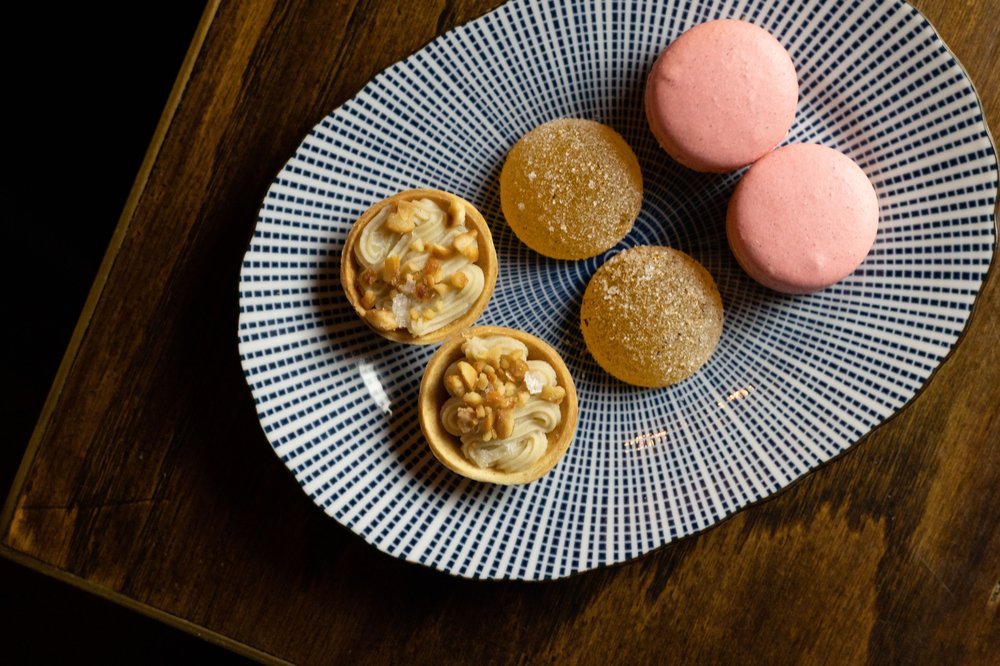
(349, 268)
(447, 448)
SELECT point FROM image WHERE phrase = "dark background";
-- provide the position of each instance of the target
(87, 86)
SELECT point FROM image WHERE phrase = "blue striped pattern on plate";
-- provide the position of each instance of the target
(795, 381)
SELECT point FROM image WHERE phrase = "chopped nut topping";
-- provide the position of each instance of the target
(466, 245)
(440, 251)
(490, 393)
(421, 291)
(467, 373)
(505, 423)
(453, 384)
(553, 393)
(467, 420)
(416, 268)
(405, 210)
(456, 214)
(397, 225)
(495, 398)
(390, 269)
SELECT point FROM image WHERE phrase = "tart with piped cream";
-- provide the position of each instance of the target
(498, 405)
(419, 266)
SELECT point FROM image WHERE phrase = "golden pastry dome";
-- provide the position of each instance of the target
(498, 405)
(651, 316)
(571, 188)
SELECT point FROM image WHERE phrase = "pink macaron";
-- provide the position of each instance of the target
(802, 218)
(721, 95)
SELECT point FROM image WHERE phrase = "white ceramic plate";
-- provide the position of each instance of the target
(795, 380)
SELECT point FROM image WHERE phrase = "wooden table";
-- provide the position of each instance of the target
(148, 479)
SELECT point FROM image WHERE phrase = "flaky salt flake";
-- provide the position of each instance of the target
(401, 310)
(534, 382)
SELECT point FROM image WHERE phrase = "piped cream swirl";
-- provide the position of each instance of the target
(415, 304)
(533, 416)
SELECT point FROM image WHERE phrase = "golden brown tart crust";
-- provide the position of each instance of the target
(487, 261)
(447, 447)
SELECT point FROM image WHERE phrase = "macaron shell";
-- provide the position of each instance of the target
(802, 218)
(721, 95)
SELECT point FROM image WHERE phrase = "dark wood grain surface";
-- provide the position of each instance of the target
(149, 481)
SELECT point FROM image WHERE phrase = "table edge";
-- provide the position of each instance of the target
(177, 622)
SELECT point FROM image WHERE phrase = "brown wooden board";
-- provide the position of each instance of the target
(149, 481)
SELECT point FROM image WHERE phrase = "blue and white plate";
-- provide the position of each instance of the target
(795, 380)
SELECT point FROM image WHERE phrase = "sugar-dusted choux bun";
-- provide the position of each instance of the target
(651, 316)
(571, 188)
